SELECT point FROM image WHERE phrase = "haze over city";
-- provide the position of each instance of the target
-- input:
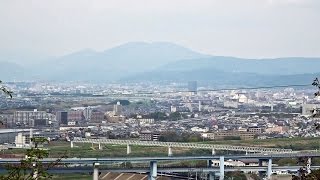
(160, 89)
(247, 28)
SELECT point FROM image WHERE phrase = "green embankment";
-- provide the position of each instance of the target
(72, 176)
(59, 148)
(287, 143)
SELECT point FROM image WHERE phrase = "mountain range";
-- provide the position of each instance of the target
(162, 61)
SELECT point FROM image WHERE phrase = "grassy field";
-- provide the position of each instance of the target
(59, 148)
(72, 176)
(289, 143)
(86, 150)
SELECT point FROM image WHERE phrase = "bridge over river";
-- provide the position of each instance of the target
(213, 147)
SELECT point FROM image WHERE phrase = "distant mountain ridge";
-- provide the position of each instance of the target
(117, 62)
(236, 71)
(217, 77)
(277, 66)
(162, 61)
(11, 71)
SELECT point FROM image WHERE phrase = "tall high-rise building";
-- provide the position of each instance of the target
(62, 117)
(65, 117)
(76, 116)
(117, 109)
(87, 113)
(193, 86)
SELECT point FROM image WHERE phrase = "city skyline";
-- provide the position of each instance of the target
(159, 89)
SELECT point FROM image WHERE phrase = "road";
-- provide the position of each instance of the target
(88, 169)
(177, 158)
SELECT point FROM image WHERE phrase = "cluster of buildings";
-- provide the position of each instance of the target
(77, 116)
(81, 110)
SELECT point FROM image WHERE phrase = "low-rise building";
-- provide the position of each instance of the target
(198, 129)
(208, 135)
(20, 140)
(146, 121)
(277, 129)
(28, 118)
(149, 136)
(256, 130)
(233, 134)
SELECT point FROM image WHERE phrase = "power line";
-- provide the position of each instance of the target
(229, 89)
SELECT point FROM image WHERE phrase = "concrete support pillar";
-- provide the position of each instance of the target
(100, 147)
(71, 144)
(153, 171)
(31, 136)
(128, 149)
(260, 164)
(211, 175)
(309, 166)
(213, 152)
(269, 171)
(221, 168)
(96, 171)
(246, 152)
(170, 151)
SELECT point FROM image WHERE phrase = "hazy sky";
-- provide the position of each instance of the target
(242, 28)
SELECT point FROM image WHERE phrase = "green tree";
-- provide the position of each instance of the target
(287, 162)
(314, 175)
(172, 136)
(316, 83)
(236, 175)
(175, 116)
(5, 90)
(31, 167)
(158, 116)
(254, 177)
(232, 138)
